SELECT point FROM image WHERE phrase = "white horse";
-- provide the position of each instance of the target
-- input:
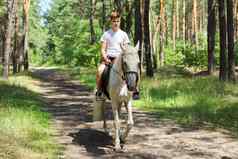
(123, 80)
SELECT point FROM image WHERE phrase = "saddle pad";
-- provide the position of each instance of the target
(105, 80)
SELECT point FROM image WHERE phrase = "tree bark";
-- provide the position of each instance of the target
(129, 11)
(194, 23)
(92, 32)
(2, 36)
(162, 32)
(16, 39)
(142, 2)
(174, 22)
(211, 31)
(26, 7)
(149, 66)
(230, 35)
(177, 20)
(138, 29)
(223, 47)
(8, 35)
(103, 16)
(184, 22)
(236, 19)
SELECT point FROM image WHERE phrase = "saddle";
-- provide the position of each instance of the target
(105, 80)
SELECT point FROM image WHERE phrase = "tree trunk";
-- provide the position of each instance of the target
(103, 16)
(162, 32)
(236, 19)
(177, 19)
(92, 10)
(149, 66)
(16, 39)
(153, 36)
(222, 26)
(142, 27)
(211, 31)
(26, 7)
(194, 23)
(8, 35)
(184, 22)
(230, 35)
(138, 29)
(129, 11)
(2, 38)
(174, 22)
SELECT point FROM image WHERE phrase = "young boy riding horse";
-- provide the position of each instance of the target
(111, 42)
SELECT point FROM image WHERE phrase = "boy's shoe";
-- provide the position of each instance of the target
(136, 95)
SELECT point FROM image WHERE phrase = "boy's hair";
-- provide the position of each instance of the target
(115, 15)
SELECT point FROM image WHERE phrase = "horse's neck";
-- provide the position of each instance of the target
(116, 71)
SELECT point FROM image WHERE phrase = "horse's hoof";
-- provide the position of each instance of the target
(118, 149)
(123, 148)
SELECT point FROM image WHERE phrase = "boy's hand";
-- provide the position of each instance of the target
(108, 61)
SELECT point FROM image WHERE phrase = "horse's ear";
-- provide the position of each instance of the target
(137, 45)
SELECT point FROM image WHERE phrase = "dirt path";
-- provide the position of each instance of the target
(71, 106)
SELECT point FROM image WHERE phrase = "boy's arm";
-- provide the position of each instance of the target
(103, 51)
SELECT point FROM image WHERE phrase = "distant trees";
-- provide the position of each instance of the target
(170, 33)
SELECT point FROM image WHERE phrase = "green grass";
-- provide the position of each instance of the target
(25, 130)
(191, 100)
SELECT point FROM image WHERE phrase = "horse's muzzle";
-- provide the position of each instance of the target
(131, 80)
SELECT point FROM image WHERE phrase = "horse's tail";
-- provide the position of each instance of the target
(98, 110)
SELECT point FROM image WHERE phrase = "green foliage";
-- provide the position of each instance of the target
(2, 8)
(38, 34)
(175, 94)
(24, 128)
(187, 54)
(69, 37)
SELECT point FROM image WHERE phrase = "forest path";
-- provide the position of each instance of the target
(71, 103)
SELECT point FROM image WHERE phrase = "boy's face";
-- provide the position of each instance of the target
(115, 23)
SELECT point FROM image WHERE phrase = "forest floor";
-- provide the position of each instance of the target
(152, 137)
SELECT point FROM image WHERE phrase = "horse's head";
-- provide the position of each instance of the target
(130, 65)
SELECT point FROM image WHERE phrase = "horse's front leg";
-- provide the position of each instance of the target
(130, 121)
(104, 120)
(116, 125)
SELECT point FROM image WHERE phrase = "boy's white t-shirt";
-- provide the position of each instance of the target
(113, 41)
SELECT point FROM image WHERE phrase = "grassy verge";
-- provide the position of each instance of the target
(25, 130)
(173, 93)
(191, 100)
